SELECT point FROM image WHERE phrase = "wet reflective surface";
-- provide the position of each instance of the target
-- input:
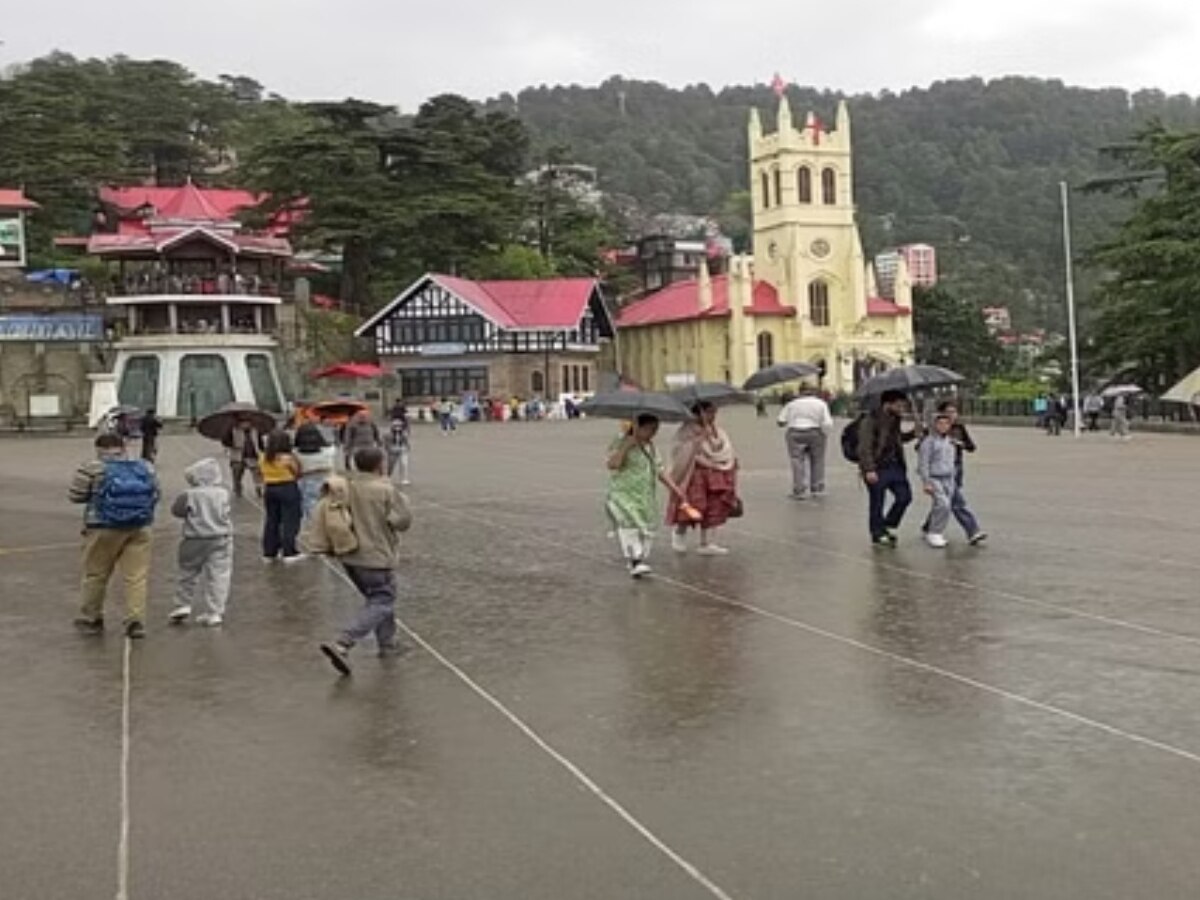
(808, 717)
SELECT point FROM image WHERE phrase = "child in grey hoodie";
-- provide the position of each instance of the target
(206, 550)
(937, 461)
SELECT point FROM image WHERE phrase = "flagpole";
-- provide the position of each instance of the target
(1072, 336)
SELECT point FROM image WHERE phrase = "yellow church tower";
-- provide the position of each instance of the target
(806, 294)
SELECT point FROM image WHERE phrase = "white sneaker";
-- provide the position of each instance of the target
(936, 540)
(713, 550)
(679, 542)
(405, 483)
(179, 615)
(209, 620)
(299, 557)
(639, 570)
(267, 560)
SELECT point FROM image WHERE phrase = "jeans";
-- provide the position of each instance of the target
(893, 479)
(103, 550)
(310, 492)
(378, 587)
(807, 451)
(284, 507)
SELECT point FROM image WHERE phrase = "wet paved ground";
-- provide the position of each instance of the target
(807, 718)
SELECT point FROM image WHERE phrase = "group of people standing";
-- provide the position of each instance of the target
(700, 475)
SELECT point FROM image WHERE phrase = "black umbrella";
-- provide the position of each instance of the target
(778, 374)
(908, 379)
(631, 404)
(219, 424)
(716, 393)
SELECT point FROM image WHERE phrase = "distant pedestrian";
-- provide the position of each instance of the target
(206, 547)
(379, 514)
(360, 433)
(881, 461)
(281, 497)
(760, 406)
(1056, 416)
(151, 425)
(1041, 407)
(242, 445)
(1093, 406)
(398, 450)
(1120, 418)
(317, 458)
(938, 469)
(704, 465)
(635, 471)
(119, 497)
(446, 417)
(808, 424)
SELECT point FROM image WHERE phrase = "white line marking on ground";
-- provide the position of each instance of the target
(801, 625)
(123, 841)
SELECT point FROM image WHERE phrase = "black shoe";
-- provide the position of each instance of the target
(135, 630)
(89, 626)
(338, 655)
(887, 539)
(977, 538)
(390, 648)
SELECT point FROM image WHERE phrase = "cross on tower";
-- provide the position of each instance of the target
(778, 85)
(817, 128)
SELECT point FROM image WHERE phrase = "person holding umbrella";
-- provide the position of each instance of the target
(635, 471)
(881, 462)
(704, 465)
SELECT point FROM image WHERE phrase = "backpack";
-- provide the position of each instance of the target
(126, 496)
(850, 438)
(331, 530)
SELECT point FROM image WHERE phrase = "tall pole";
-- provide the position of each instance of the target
(1072, 336)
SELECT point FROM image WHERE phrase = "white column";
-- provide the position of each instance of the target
(173, 317)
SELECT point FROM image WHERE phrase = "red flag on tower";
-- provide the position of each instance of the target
(778, 85)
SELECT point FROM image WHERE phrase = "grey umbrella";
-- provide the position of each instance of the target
(631, 404)
(219, 424)
(778, 374)
(909, 379)
(716, 393)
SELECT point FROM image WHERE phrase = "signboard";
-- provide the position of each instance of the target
(44, 405)
(443, 349)
(51, 328)
(675, 380)
(12, 241)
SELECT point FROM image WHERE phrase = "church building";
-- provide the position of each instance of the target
(806, 294)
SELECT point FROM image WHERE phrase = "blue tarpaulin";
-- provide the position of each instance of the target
(52, 276)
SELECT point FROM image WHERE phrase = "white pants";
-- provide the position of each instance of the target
(635, 544)
(205, 573)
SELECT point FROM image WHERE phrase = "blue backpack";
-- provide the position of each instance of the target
(127, 495)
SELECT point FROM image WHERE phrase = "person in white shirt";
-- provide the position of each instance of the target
(808, 425)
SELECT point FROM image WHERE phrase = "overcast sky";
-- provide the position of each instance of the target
(401, 51)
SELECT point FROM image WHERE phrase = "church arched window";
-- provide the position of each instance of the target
(829, 187)
(818, 303)
(766, 349)
(804, 184)
(778, 187)
(766, 191)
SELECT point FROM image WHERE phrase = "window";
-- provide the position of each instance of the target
(778, 187)
(446, 382)
(139, 382)
(829, 187)
(587, 378)
(262, 382)
(804, 184)
(766, 349)
(575, 379)
(766, 191)
(204, 384)
(566, 382)
(818, 303)
(537, 383)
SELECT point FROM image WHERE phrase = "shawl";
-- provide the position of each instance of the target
(694, 445)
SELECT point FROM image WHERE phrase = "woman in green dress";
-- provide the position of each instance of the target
(635, 470)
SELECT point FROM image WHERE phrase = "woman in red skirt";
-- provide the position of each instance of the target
(704, 465)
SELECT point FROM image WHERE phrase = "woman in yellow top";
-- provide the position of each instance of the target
(280, 472)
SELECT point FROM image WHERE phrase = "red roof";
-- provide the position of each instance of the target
(121, 244)
(349, 370)
(553, 304)
(680, 302)
(877, 306)
(14, 198)
(188, 203)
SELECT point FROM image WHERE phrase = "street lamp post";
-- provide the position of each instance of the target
(1072, 336)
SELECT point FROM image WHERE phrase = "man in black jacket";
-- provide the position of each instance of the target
(881, 461)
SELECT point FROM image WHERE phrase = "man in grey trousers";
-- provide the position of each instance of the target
(808, 425)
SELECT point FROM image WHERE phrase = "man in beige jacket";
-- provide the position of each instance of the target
(379, 514)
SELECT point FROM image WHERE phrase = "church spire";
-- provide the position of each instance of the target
(843, 122)
(756, 131)
(785, 114)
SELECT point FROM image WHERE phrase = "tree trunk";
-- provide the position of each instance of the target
(356, 274)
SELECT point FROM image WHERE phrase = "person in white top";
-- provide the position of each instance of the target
(808, 425)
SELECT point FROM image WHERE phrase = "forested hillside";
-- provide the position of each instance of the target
(971, 166)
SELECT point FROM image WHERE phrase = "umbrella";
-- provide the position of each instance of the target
(716, 393)
(348, 370)
(1121, 390)
(778, 374)
(1186, 391)
(335, 410)
(631, 404)
(909, 378)
(219, 424)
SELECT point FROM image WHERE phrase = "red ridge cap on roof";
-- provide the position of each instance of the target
(680, 302)
(14, 198)
(878, 306)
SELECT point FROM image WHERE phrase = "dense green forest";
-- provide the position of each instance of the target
(971, 166)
